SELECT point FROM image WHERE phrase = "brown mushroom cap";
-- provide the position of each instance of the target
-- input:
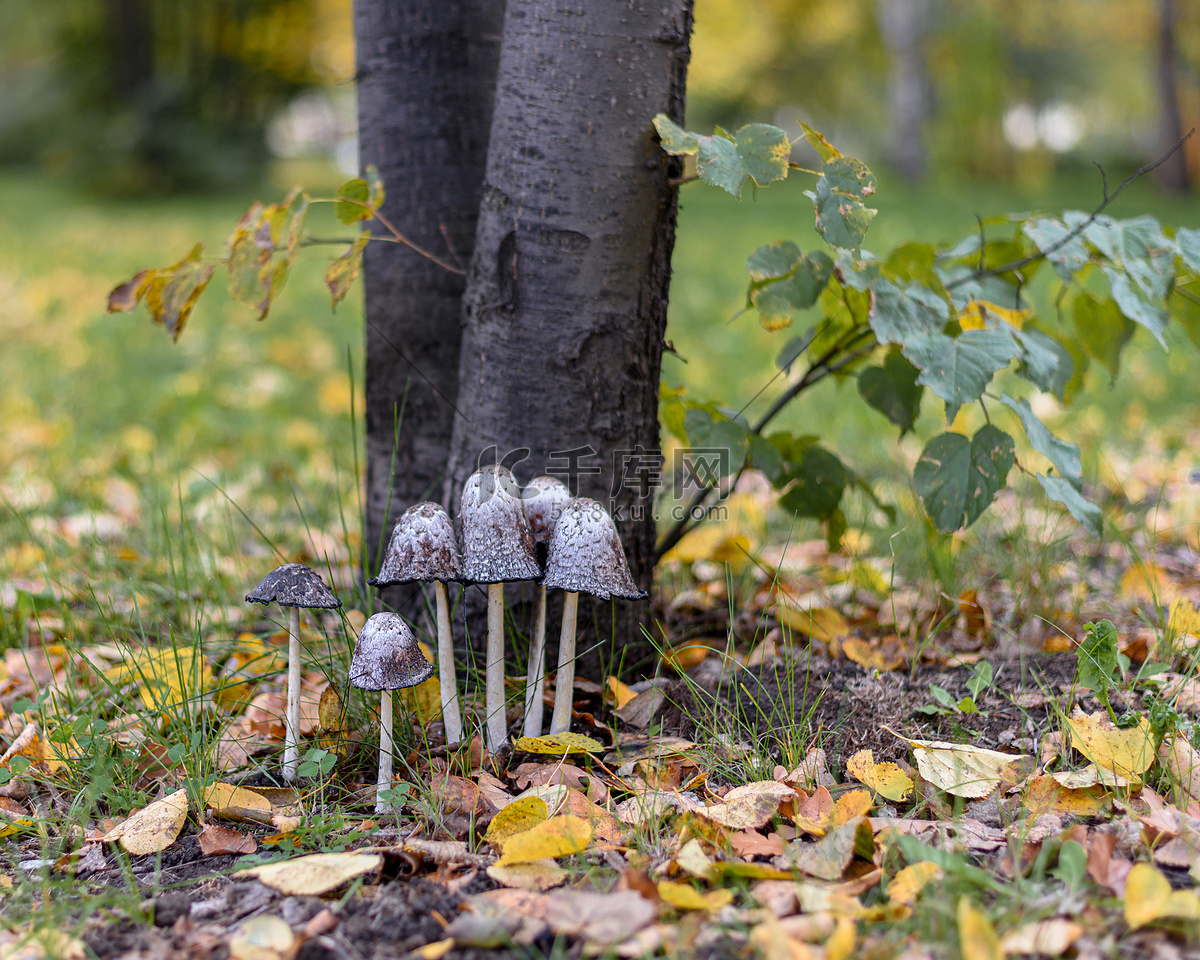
(497, 544)
(387, 657)
(422, 547)
(294, 585)
(544, 499)
(586, 555)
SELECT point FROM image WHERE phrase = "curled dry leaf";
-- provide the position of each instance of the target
(237, 803)
(216, 840)
(964, 770)
(750, 806)
(314, 875)
(154, 827)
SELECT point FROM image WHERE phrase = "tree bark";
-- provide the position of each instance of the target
(566, 300)
(426, 79)
(904, 25)
(1173, 174)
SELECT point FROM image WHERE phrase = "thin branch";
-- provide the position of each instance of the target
(676, 181)
(401, 238)
(1083, 225)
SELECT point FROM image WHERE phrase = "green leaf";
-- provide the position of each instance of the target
(793, 348)
(773, 261)
(1188, 242)
(765, 456)
(349, 212)
(958, 478)
(842, 219)
(1102, 329)
(843, 309)
(1064, 455)
(718, 164)
(818, 479)
(342, 273)
(1097, 657)
(958, 368)
(1135, 306)
(707, 427)
(914, 263)
(1063, 491)
(892, 389)
(778, 300)
(674, 139)
(847, 175)
(899, 314)
(765, 151)
(1045, 362)
(1069, 258)
(817, 141)
(377, 191)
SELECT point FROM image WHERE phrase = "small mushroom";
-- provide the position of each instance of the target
(544, 499)
(497, 546)
(386, 658)
(423, 548)
(293, 585)
(585, 557)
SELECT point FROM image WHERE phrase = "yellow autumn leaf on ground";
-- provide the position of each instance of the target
(237, 803)
(751, 805)
(1185, 618)
(886, 779)
(424, 700)
(556, 837)
(850, 806)
(315, 874)
(820, 623)
(977, 938)
(166, 676)
(1044, 795)
(840, 945)
(866, 655)
(254, 656)
(686, 897)
(617, 693)
(909, 882)
(154, 827)
(1149, 897)
(1127, 753)
(262, 938)
(517, 817)
(1046, 938)
(1147, 582)
(559, 743)
(963, 770)
(536, 875)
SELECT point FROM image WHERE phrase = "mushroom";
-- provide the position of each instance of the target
(293, 585)
(543, 499)
(497, 546)
(387, 658)
(585, 557)
(423, 548)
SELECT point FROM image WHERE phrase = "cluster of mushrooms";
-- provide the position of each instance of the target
(502, 534)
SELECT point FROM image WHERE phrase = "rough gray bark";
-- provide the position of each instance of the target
(566, 299)
(904, 25)
(426, 78)
(1173, 174)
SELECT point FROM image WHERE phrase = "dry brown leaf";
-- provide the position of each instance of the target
(828, 857)
(154, 827)
(1183, 762)
(314, 875)
(750, 806)
(964, 770)
(216, 840)
(598, 918)
(748, 844)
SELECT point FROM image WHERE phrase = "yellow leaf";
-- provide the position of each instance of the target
(536, 875)
(840, 945)
(1149, 897)
(154, 827)
(166, 676)
(236, 803)
(618, 693)
(424, 701)
(254, 656)
(559, 743)
(262, 938)
(517, 817)
(1044, 794)
(682, 895)
(886, 779)
(556, 837)
(1046, 938)
(865, 655)
(1146, 582)
(313, 875)
(692, 859)
(963, 770)
(975, 315)
(909, 882)
(1127, 753)
(1185, 618)
(435, 950)
(977, 938)
(820, 623)
(850, 806)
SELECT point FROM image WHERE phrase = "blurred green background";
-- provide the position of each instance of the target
(129, 129)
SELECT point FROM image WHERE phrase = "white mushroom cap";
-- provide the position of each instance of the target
(422, 547)
(544, 499)
(497, 544)
(586, 554)
(387, 657)
(294, 585)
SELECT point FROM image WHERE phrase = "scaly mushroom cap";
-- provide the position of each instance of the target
(294, 585)
(544, 499)
(423, 547)
(586, 554)
(387, 657)
(497, 544)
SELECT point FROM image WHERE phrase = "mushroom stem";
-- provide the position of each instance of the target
(497, 728)
(564, 684)
(451, 718)
(536, 673)
(384, 781)
(291, 721)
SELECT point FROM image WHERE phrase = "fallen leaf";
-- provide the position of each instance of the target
(977, 938)
(1183, 762)
(1127, 753)
(215, 840)
(154, 827)
(618, 693)
(537, 875)
(237, 803)
(840, 945)
(909, 882)
(692, 859)
(516, 817)
(886, 779)
(262, 938)
(1185, 618)
(1047, 938)
(558, 744)
(849, 806)
(1149, 897)
(751, 805)
(556, 837)
(41, 944)
(686, 897)
(964, 770)
(313, 875)
(880, 658)
(1146, 582)
(598, 918)
(1045, 794)
(750, 843)
(824, 624)
(829, 856)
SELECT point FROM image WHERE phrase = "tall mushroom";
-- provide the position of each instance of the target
(387, 658)
(423, 548)
(544, 499)
(585, 556)
(293, 585)
(497, 546)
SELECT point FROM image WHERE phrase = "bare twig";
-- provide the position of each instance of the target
(401, 238)
(676, 181)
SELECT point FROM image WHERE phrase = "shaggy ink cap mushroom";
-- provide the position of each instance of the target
(294, 585)
(586, 555)
(544, 499)
(497, 544)
(423, 547)
(387, 656)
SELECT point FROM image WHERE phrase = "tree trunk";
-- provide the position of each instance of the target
(566, 300)
(1173, 175)
(904, 25)
(426, 80)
